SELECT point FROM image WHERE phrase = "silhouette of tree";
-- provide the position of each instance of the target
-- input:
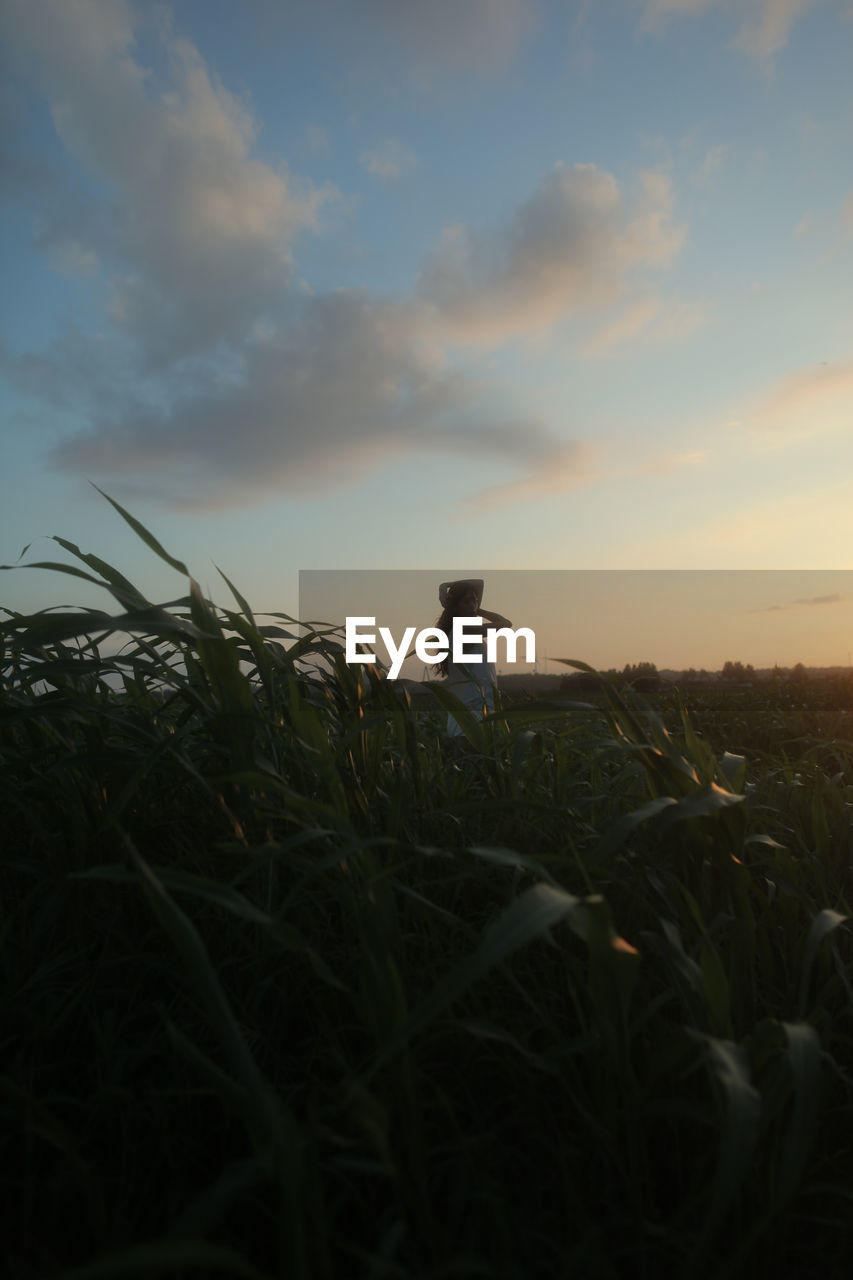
(632, 669)
(737, 671)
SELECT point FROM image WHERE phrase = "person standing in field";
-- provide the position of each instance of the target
(474, 681)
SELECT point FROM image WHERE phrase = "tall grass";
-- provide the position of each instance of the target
(294, 985)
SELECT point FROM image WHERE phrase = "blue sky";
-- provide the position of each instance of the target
(499, 284)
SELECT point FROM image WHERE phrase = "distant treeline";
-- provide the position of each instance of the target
(646, 677)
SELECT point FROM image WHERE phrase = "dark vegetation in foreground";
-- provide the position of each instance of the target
(294, 986)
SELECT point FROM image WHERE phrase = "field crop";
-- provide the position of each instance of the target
(296, 986)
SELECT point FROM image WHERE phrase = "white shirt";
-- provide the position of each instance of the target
(473, 682)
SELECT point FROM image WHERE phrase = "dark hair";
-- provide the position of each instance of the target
(445, 624)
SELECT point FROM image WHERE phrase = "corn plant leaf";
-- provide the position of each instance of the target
(510, 858)
(178, 881)
(733, 769)
(803, 1055)
(148, 538)
(822, 925)
(234, 1181)
(739, 1105)
(707, 802)
(241, 599)
(51, 628)
(464, 717)
(527, 918)
(165, 1256)
(270, 1119)
(616, 836)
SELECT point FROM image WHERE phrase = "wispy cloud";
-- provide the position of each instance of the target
(572, 244)
(649, 319)
(807, 404)
(712, 165)
(802, 528)
(665, 464)
(553, 468)
(480, 35)
(422, 43)
(389, 161)
(835, 598)
(767, 28)
(765, 24)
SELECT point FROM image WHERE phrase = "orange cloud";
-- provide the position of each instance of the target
(648, 320)
(811, 402)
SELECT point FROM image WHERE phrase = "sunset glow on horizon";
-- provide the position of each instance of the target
(610, 618)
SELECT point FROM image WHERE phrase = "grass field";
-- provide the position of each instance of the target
(295, 986)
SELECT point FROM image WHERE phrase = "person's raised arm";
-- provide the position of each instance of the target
(496, 619)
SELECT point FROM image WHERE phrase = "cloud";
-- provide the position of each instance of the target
(217, 380)
(712, 165)
(249, 388)
(79, 375)
(67, 223)
(800, 528)
(834, 598)
(420, 42)
(658, 7)
(809, 403)
(571, 245)
(649, 319)
(665, 464)
(632, 321)
(355, 384)
(767, 31)
(74, 258)
(557, 468)
(389, 160)
(765, 28)
(198, 232)
(480, 35)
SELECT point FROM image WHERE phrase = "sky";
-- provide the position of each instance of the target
(379, 284)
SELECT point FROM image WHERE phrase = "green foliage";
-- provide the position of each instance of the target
(295, 984)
